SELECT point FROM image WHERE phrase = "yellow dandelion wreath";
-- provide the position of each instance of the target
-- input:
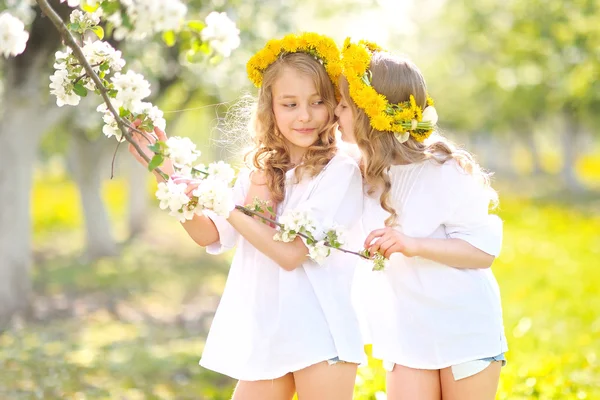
(321, 47)
(383, 116)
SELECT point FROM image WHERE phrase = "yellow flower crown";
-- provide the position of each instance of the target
(323, 48)
(403, 119)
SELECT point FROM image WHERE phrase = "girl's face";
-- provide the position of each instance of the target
(300, 113)
(345, 121)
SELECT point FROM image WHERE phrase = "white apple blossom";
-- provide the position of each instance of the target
(172, 196)
(284, 236)
(62, 87)
(148, 17)
(71, 3)
(222, 171)
(85, 19)
(13, 37)
(340, 234)
(319, 252)
(182, 151)
(152, 112)
(98, 51)
(110, 128)
(21, 9)
(215, 195)
(298, 221)
(131, 89)
(221, 33)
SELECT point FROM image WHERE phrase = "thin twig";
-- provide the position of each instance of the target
(112, 163)
(279, 224)
(78, 53)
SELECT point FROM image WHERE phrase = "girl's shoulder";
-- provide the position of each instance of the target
(341, 157)
(341, 163)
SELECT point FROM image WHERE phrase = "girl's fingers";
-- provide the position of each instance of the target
(391, 250)
(381, 244)
(160, 134)
(373, 235)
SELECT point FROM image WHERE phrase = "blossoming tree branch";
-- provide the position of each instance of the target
(91, 64)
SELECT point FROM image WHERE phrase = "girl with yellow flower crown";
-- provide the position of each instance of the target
(284, 324)
(433, 313)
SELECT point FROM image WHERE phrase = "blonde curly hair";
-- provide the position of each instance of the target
(270, 153)
(397, 78)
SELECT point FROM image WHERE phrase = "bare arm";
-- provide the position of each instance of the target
(288, 255)
(456, 253)
(201, 228)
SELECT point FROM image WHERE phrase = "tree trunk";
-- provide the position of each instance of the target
(89, 164)
(19, 138)
(24, 115)
(138, 197)
(569, 137)
(532, 146)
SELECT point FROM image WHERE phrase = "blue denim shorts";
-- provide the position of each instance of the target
(466, 369)
(335, 360)
(470, 368)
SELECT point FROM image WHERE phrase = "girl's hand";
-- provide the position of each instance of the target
(388, 240)
(192, 184)
(147, 139)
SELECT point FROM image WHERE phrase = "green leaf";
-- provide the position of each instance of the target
(156, 147)
(169, 38)
(123, 112)
(80, 90)
(155, 162)
(196, 25)
(104, 66)
(98, 31)
(74, 26)
(110, 7)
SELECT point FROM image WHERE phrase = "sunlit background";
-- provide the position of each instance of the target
(122, 299)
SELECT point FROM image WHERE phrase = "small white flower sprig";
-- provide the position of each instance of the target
(295, 223)
(87, 65)
(377, 258)
(214, 182)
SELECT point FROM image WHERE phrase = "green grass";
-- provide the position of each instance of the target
(133, 327)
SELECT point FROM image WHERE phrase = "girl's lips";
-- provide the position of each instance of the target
(305, 130)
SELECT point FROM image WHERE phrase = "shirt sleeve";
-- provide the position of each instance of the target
(228, 236)
(468, 218)
(337, 196)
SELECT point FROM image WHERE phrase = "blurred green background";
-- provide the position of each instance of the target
(121, 299)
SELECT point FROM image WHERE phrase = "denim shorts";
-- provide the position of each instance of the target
(335, 360)
(466, 369)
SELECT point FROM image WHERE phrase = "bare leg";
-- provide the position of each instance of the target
(326, 382)
(276, 389)
(405, 383)
(481, 386)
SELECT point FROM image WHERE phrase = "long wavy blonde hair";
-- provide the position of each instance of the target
(397, 78)
(270, 152)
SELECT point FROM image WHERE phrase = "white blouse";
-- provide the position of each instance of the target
(420, 313)
(271, 321)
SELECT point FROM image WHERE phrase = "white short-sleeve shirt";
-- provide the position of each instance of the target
(271, 321)
(420, 313)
